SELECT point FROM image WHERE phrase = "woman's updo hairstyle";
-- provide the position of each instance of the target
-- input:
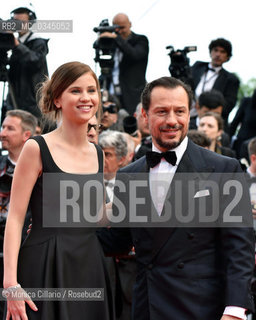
(61, 79)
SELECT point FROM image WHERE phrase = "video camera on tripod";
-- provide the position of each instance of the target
(179, 67)
(6, 43)
(105, 47)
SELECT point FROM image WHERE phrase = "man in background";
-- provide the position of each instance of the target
(28, 66)
(93, 130)
(131, 58)
(144, 141)
(17, 128)
(212, 75)
(112, 115)
(208, 101)
(114, 145)
(251, 170)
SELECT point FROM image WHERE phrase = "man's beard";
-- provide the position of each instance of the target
(169, 145)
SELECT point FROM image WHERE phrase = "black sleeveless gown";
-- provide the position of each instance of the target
(63, 258)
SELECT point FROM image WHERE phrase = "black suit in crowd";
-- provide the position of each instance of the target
(226, 82)
(28, 68)
(187, 273)
(132, 69)
(246, 117)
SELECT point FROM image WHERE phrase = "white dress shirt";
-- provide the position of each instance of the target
(207, 80)
(160, 177)
(109, 185)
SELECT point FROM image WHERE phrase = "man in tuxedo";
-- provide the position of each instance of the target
(251, 172)
(207, 76)
(114, 146)
(188, 273)
(131, 58)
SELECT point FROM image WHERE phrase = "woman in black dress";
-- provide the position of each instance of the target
(54, 257)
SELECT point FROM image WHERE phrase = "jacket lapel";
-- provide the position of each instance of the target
(220, 81)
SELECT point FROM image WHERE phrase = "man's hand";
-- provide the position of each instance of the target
(108, 35)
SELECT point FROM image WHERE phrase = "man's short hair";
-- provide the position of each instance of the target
(28, 121)
(252, 147)
(115, 100)
(28, 10)
(114, 139)
(211, 99)
(199, 138)
(167, 83)
(223, 43)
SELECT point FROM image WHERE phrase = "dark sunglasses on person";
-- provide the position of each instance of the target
(112, 108)
(94, 126)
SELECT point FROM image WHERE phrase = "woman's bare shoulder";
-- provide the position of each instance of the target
(30, 155)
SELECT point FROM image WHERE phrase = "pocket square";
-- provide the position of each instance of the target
(202, 193)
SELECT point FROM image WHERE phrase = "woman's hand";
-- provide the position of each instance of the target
(16, 304)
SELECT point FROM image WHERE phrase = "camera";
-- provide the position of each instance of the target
(179, 67)
(105, 27)
(105, 47)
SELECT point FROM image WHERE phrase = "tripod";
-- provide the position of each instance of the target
(106, 80)
(4, 78)
(105, 49)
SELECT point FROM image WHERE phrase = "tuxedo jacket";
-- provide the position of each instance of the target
(187, 273)
(226, 82)
(132, 69)
(246, 117)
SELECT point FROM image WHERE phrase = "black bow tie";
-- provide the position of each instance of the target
(109, 184)
(211, 69)
(153, 158)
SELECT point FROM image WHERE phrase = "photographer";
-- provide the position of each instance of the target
(130, 63)
(112, 116)
(28, 66)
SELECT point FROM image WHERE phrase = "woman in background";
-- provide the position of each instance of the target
(212, 125)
